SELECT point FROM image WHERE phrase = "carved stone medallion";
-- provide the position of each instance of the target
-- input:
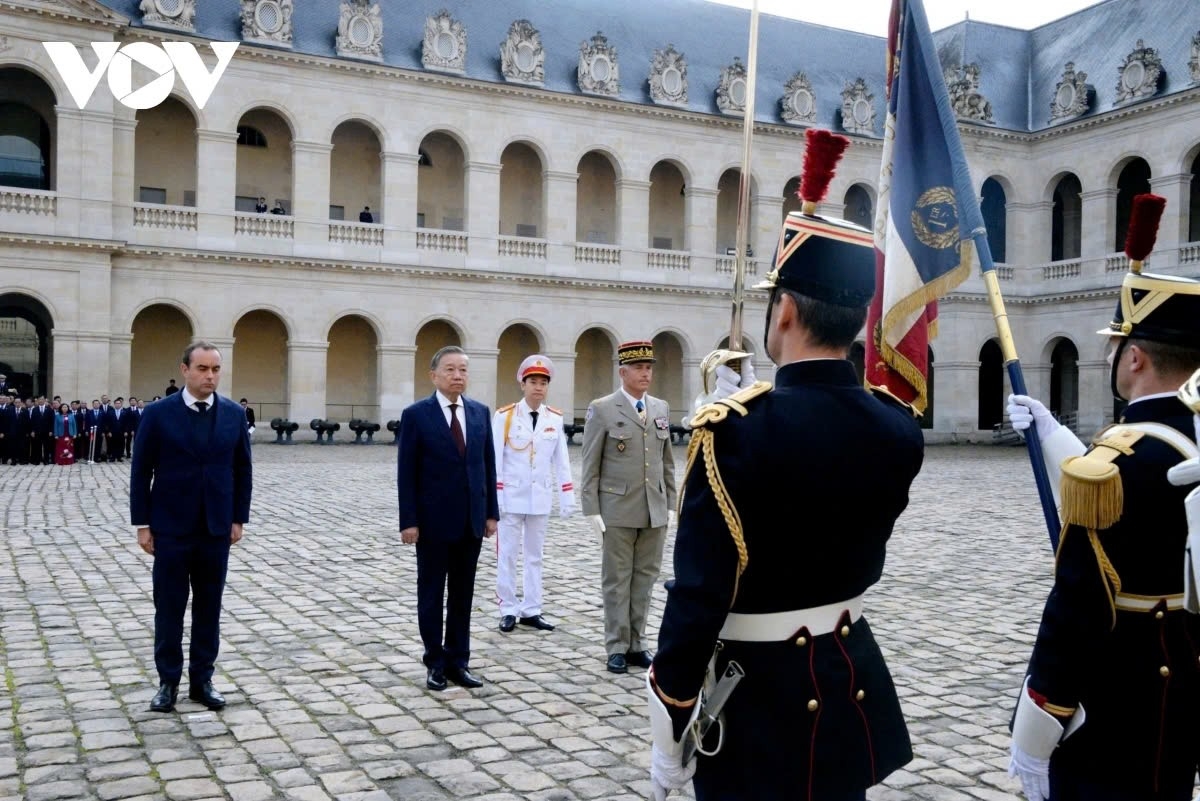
(522, 59)
(445, 45)
(176, 14)
(668, 77)
(731, 92)
(267, 21)
(968, 102)
(799, 104)
(598, 74)
(1194, 61)
(858, 108)
(1072, 95)
(1139, 76)
(360, 30)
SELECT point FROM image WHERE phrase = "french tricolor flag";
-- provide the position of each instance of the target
(928, 227)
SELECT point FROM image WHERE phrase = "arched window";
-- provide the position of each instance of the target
(995, 213)
(24, 147)
(1134, 180)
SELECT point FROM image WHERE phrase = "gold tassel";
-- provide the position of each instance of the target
(1092, 493)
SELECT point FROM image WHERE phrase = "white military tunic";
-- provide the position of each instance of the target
(532, 466)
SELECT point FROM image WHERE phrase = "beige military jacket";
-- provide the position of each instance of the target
(628, 468)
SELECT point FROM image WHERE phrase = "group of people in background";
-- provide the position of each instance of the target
(35, 431)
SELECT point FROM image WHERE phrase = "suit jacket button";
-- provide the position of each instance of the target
(801, 641)
(812, 705)
(1164, 671)
(845, 631)
(858, 696)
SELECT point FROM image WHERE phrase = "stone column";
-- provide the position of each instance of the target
(482, 384)
(399, 207)
(692, 385)
(1029, 233)
(483, 214)
(1099, 225)
(216, 188)
(306, 380)
(397, 366)
(120, 355)
(633, 234)
(701, 225)
(225, 346)
(1095, 397)
(956, 409)
(310, 197)
(123, 171)
(560, 193)
(81, 359)
(1037, 381)
(85, 194)
(767, 216)
(1173, 230)
(562, 386)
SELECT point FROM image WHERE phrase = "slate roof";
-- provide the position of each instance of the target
(1019, 69)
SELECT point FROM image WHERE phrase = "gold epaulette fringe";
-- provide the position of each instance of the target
(503, 409)
(718, 410)
(1091, 489)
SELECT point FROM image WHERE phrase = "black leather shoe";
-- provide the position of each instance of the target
(436, 679)
(616, 663)
(464, 678)
(508, 623)
(538, 622)
(207, 695)
(164, 699)
(640, 659)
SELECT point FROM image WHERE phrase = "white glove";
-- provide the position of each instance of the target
(1034, 773)
(598, 526)
(730, 381)
(1024, 410)
(667, 772)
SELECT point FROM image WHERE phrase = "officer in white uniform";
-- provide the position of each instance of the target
(531, 465)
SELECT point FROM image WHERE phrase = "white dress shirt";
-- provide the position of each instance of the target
(460, 412)
(189, 400)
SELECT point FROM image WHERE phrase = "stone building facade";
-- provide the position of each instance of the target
(536, 184)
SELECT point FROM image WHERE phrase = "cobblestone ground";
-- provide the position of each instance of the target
(320, 657)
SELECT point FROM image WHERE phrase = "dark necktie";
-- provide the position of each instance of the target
(533, 417)
(202, 406)
(456, 431)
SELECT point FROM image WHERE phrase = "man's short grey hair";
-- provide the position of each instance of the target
(199, 344)
(446, 351)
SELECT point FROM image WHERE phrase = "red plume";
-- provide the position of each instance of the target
(1143, 227)
(822, 152)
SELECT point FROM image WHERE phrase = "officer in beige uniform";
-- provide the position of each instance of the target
(532, 465)
(628, 495)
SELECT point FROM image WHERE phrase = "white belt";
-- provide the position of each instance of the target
(1128, 602)
(777, 626)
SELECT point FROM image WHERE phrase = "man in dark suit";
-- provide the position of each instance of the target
(117, 421)
(19, 454)
(171, 388)
(8, 419)
(81, 432)
(446, 476)
(41, 433)
(129, 424)
(189, 496)
(95, 419)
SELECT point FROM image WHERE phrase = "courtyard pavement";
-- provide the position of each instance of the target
(320, 654)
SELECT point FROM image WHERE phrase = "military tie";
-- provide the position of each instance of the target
(533, 417)
(456, 431)
(641, 410)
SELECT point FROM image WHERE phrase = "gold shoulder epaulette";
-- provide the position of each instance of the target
(884, 392)
(504, 409)
(718, 410)
(555, 411)
(1091, 489)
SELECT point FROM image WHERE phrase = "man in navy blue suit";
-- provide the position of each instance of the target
(189, 496)
(446, 476)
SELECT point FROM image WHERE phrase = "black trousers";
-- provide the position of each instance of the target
(197, 562)
(1071, 781)
(446, 576)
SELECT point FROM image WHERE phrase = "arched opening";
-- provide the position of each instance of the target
(521, 187)
(858, 357)
(517, 342)
(164, 170)
(668, 374)
(264, 163)
(596, 200)
(1194, 203)
(1064, 383)
(994, 206)
(991, 385)
(261, 347)
(728, 190)
(352, 370)
(1066, 219)
(433, 336)
(27, 130)
(668, 203)
(595, 357)
(791, 197)
(1133, 180)
(930, 384)
(859, 208)
(355, 191)
(160, 333)
(441, 185)
(25, 326)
